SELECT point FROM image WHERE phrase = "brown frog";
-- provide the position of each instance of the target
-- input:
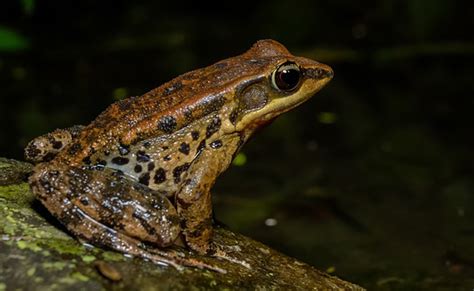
(138, 178)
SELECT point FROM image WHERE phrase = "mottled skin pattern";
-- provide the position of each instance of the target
(139, 176)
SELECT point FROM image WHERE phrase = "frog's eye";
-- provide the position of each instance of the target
(287, 77)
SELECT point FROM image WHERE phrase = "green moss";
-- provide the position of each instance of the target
(4, 165)
(22, 222)
(74, 278)
(38, 235)
(56, 265)
(17, 193)
(8, 229)
(31, 271)
(112, 256)
(30, 245)
(80, 277)
(88, 258)
(66, 247)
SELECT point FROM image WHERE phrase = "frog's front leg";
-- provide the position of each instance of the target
(105, 208)
(194, 198)
(44, 148)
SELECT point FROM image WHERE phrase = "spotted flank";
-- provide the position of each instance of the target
(184, 148)
(213, 126)
(158, 163)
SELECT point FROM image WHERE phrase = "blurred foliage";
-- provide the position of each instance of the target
(10, 41)
(28, 6)
(240, 159)
(120, 93)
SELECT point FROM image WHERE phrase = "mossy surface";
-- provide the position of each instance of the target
(36, 251)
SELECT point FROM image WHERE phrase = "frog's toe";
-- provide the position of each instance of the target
(224, 253)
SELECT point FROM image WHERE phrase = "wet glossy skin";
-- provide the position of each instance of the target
(140, 174)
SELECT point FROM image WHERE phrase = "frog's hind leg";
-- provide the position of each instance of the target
(44, 148)
(117, 241)
(105, 208)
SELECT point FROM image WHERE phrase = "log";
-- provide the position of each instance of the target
(37, 253)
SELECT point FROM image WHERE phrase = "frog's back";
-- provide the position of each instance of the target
(174, 104)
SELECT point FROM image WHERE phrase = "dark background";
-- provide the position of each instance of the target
(371, 180)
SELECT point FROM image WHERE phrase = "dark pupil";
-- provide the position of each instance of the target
(287, 79)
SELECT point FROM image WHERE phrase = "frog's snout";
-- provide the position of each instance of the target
(329, 72)
(319, 72)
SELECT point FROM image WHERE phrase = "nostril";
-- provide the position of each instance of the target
(319, 73)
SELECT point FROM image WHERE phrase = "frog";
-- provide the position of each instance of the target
(138, 178)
